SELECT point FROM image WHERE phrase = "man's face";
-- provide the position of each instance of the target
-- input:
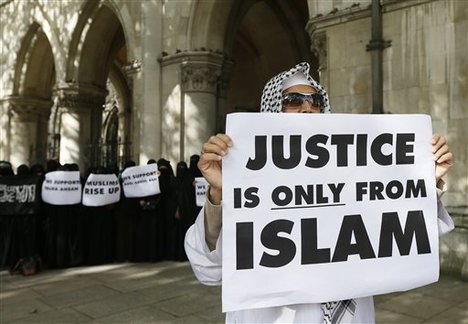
(294, 100)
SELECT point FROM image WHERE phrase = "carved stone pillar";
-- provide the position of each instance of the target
(80, 118)
(319, 49)
(5, 134)
(200, 84)
(28, 129)
(190, 101)
(126, 132)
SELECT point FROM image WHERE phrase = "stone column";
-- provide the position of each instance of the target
(146, 141)
(198, 113)
(5, 134)
(28, 130)
(190, 101)
(126, 130)
(319, 49)
(80, 118)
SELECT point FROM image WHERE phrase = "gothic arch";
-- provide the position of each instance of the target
(35, 69)
(30, 100)
(95, 16)
(102, 42)
(208, 23)
(258, 39)
(88, 12)
(98, 56)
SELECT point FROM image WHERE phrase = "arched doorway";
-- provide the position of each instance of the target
(269, 37)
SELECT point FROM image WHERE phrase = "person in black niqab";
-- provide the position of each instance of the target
(6, 169)
(6, 224)
(185, 212)
(169, 198)
(63, 229)
(125, 212)
(100, 229)
(149, 228)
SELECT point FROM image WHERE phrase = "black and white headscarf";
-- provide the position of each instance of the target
(272, 92)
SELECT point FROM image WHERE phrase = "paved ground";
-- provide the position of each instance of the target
(167, 292)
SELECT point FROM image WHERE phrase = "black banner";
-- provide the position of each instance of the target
(20, 195)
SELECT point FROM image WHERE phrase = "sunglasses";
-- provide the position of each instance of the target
(295, 99)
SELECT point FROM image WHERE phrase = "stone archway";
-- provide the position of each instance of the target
(30, 100)
(260, 48)
(233, 48)
(98, 55)
(258, 39)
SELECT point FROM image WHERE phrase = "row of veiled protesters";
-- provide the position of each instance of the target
(148, 229)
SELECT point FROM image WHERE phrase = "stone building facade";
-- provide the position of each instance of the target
(105, 81)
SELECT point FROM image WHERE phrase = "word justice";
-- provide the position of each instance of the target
(401, 150)
(353, 239)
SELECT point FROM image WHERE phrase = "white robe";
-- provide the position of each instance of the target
(207, 267)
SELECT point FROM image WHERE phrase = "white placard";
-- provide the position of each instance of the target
(101, 190)
(325, 207)
(61, 188)
(141, 181)
(201, 186)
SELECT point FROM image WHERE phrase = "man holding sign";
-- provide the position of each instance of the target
(276, 261)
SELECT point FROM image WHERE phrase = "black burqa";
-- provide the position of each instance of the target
(63, 230)
(169, 202)
(124, 215)
(186, 209)
(149, 236)
(6, 224)
(99, 231)
(24, 224)
(195, 173)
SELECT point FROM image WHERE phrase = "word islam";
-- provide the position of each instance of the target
(353, 239)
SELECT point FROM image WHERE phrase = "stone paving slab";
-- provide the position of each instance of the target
(79, 296)
(389, 317)
(24, 309)
(64, 286)
(17, 295)
(54, 316)
(416, 305)
(146, 314)
(189, 304)
(446, 288)
(168, 292)
(114, 304)
(453, 315)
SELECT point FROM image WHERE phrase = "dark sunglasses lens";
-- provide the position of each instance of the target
(293, 100)
(316, 99)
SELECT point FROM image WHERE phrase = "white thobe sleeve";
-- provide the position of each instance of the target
(444, 221)
(206, 264)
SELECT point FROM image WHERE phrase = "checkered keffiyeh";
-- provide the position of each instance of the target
(272, 92)
(339, 311)
(333, 312)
